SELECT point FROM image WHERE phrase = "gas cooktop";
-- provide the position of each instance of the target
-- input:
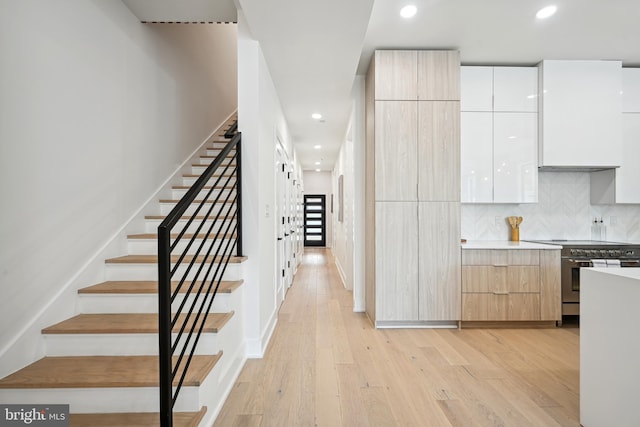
(579, 242)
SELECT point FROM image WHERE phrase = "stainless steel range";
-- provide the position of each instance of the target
(576, 254)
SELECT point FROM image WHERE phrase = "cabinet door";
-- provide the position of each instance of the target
(396, 75)
(439, 261)
(627, 176)
(631, 90)
(550, 288)
(515, 89)
(439, 151)
(515, 150)
(476, 152)
(523, 278)
(396, 152)
(438, 75)
(396, 261)
(476, 89)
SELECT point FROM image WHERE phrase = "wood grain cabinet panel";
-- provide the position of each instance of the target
(438, 75)
(396, 261)
(396, 75)
(439, 263)
(396, 148)
(439, 151)
(511, 285)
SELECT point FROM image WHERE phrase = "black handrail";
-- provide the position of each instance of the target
(196, 271)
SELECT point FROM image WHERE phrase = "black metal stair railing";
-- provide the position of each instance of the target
(196, 268)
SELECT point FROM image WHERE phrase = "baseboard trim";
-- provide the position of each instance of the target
(445, 324)
(257, 347)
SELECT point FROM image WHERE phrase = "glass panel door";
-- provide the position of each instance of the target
(314, 220)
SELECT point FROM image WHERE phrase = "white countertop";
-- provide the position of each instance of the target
(630, 273)
(506, 244)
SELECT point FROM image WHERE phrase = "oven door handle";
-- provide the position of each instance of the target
(580, 262)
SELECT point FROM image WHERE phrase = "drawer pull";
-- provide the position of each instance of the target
(501, 293)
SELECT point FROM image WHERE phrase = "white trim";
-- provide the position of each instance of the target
(230, 382)
(343, 277)
(257, 347)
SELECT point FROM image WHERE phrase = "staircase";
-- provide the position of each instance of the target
(103, 362)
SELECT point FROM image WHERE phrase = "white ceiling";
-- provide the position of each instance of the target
(315, 49)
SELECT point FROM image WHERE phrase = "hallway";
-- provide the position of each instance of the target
(327, 366)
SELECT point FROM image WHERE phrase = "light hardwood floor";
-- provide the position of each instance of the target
(327, 366)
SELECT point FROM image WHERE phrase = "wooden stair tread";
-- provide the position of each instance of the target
(197, 201)
(153, 259)
(154, 236)
(186, 216)
(187, 187)
(215, 175)
(102, 372)
(135, 419)
(148, 287)
(130, 323)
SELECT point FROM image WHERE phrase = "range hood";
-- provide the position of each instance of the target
(579, 115)
(575, 168)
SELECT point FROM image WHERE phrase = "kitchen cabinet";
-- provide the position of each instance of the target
(631, 90)
(439, 266)
(396, 147)
(515, 152)
(476, 160)
(580, 114)
(396, 258)
(476, 89)
(396, 75)
(511, 285)
(438, 151)
(515, 89)
(621, 185)
(499, 147)
(412, 189)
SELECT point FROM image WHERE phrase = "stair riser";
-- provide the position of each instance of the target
(104, 400)
(150, 272)
(124, 303)
(118, 344)
(208, 160)
(222, 208)
(199, 169)
(189, 181)
(148, 246)
(177, 194)
(151, 225)
(214, 151)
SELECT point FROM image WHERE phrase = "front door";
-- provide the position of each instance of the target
(314, 220)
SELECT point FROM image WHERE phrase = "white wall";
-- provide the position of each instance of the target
(321, 183)
(96, 112)
(563, 211)
(260, 120)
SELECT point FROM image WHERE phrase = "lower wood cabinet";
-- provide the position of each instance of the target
(511, 285)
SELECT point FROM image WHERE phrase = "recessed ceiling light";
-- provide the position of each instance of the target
(317, 147)
(317, 163)
(316, 116)
(408, 11)
(546, 12)
(317, 170)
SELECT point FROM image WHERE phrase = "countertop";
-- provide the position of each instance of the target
(506, 244)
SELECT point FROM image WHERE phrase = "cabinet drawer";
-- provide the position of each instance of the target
(508, 307)
(510, 279)
(500, 257)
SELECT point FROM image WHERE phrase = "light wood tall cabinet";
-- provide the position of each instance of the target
(412, 188)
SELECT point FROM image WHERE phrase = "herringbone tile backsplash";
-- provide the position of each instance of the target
(563, 211)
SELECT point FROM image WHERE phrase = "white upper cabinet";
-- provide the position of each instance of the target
(515, 89)
(476, 88)
(476, 146)
(499, 145)
(580, 114)
(515, 157)
(631, 90)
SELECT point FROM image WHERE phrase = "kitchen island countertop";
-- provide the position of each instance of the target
(506, 244)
